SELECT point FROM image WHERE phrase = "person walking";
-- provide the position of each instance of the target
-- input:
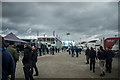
(72, 50)
(56, 49)
(92, 57)
(39, 48)
(76, 50)
(43, 49)
(102, 57)
(50, 49)
(47, 50)
(27, 62)
(34, 60)
(87, 53)
(109, 56)
(13, 52)
(79, 50)
(53, 50)
(8, 65)
(69, 50)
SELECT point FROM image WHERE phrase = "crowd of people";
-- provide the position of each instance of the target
(104, 57)
(10, 58)
(43, 49)
(74, 50)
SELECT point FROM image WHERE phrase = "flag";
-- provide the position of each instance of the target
(56, 36)
(3, 32)
(44, 34)
(53, 33)
(29, 30)
(37, 33)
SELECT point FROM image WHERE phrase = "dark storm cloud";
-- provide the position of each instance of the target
(81, 19)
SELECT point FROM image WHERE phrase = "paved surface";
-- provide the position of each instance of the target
(62, 65)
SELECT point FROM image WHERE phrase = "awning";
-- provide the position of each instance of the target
(13, 37)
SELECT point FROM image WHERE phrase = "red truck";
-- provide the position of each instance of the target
(113, 43)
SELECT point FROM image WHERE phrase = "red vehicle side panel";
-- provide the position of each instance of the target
(109, 42)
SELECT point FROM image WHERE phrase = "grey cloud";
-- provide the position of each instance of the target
(78, 18)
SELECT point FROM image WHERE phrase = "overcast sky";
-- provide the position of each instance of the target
(85, 20)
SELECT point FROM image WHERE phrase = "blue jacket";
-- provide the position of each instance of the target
(72, 49)
(8, 65)
(76, 49)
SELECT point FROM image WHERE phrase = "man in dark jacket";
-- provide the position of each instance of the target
(92, 57)
(109, 56)
(102, 57)
(34, 60)
(8, 65)
(27, 62)
(87, 53)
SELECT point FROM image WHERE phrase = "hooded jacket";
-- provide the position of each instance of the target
(27, 59)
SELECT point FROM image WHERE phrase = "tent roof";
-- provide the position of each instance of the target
(83, 42)
(13, 37)
(93, 41)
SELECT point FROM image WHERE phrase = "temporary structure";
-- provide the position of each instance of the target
(13, 37)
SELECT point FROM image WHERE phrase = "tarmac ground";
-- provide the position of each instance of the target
(62, 65)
